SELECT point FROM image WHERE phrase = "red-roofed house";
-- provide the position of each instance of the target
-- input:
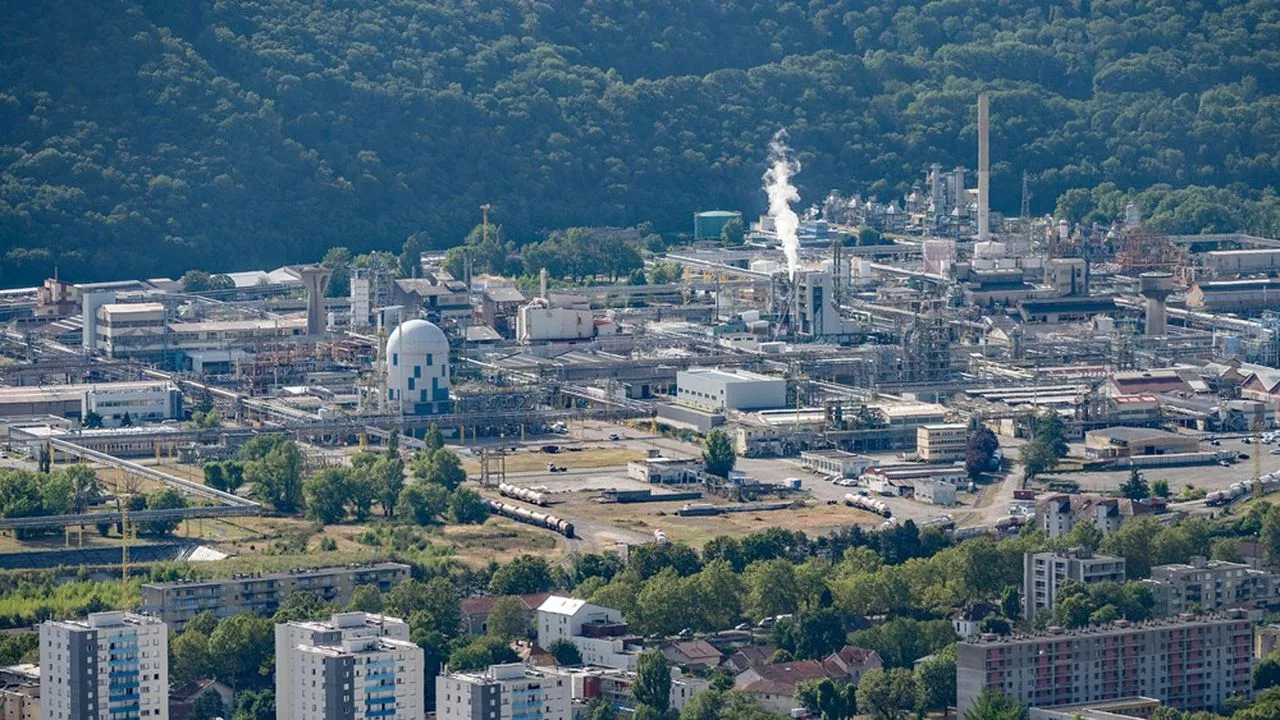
(851, 662)
(775, 685)
(692, 654)
(475, 610)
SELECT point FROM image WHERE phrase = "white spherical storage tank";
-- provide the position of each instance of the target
(418, 368)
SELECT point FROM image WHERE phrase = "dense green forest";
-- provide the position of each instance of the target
(144, 137)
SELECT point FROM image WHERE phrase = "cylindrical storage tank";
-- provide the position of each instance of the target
(707, 225)
(418, 368)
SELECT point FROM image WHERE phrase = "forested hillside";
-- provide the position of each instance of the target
(142, 137)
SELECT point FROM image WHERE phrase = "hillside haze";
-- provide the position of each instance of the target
(143, 138)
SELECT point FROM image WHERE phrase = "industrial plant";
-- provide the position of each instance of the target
(843, 361)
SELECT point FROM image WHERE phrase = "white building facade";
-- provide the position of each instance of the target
(941, 443)
(713, 390)
(504, 692)
(108, 666)
(142, 402)
(354, 666)
(599, 633)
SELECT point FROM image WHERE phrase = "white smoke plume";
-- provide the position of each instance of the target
(777, 184)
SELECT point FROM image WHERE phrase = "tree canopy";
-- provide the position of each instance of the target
(146, 138)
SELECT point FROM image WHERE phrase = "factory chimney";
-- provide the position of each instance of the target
(542, 283)
(984, 168)
(315, 277)
(1156, 287)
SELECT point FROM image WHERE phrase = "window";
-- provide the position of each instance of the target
(417, 371)
(395, 359)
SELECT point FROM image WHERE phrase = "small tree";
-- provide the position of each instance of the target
(653, 680)
(1036, 458)
(467, 507)
(507, 619)
(1160, 488)
(1135, 488)
(733, 233)
(980, 450)
(92, 420)
(887, 694)
(127, 420)
(718, 455)
(565, 652)
(993, 705)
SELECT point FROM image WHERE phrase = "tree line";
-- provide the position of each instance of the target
(249, 133)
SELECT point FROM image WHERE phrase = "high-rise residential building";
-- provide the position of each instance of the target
(179, 601)
(354, 666)
(108, 666)
(1211, 585)
(513, 691)
(1043, 572)
(1191, 663)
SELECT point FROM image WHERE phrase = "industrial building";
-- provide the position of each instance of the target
(354, 665)
(143, 331)
(1227, 263)
(665, 471)
(600, 633)
(107, 665)
(941, 443)
(512, 691)
(714, 390)
(1043, 572)
(1233, 295)
(1191, 663)
(1127, 442)
(143, 401)
(418, 369)
(1211, 585)
(178, 601)
(934, 492)
(836, 462)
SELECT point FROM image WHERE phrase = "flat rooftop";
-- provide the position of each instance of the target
(730, 376)
(304, 572)
(68, 393)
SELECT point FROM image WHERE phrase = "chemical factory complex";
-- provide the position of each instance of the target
(848, 347)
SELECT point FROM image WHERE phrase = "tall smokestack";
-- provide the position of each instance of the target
(984, 168)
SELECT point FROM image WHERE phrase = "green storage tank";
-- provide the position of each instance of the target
(707, 225)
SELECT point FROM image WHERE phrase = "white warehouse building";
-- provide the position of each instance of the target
(713, 390)
(109, 665)
(418, 368)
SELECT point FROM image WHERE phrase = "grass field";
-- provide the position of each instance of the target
(590, 457)
(697, 531)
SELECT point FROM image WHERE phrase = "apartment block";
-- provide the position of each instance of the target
(600, 633)
(1211, 585)
(1056, 515)
(504, 692)
(110, 665)
(354, 666)
(1042, 573)
(942, 443)
(1190, 663)
(178, 602)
